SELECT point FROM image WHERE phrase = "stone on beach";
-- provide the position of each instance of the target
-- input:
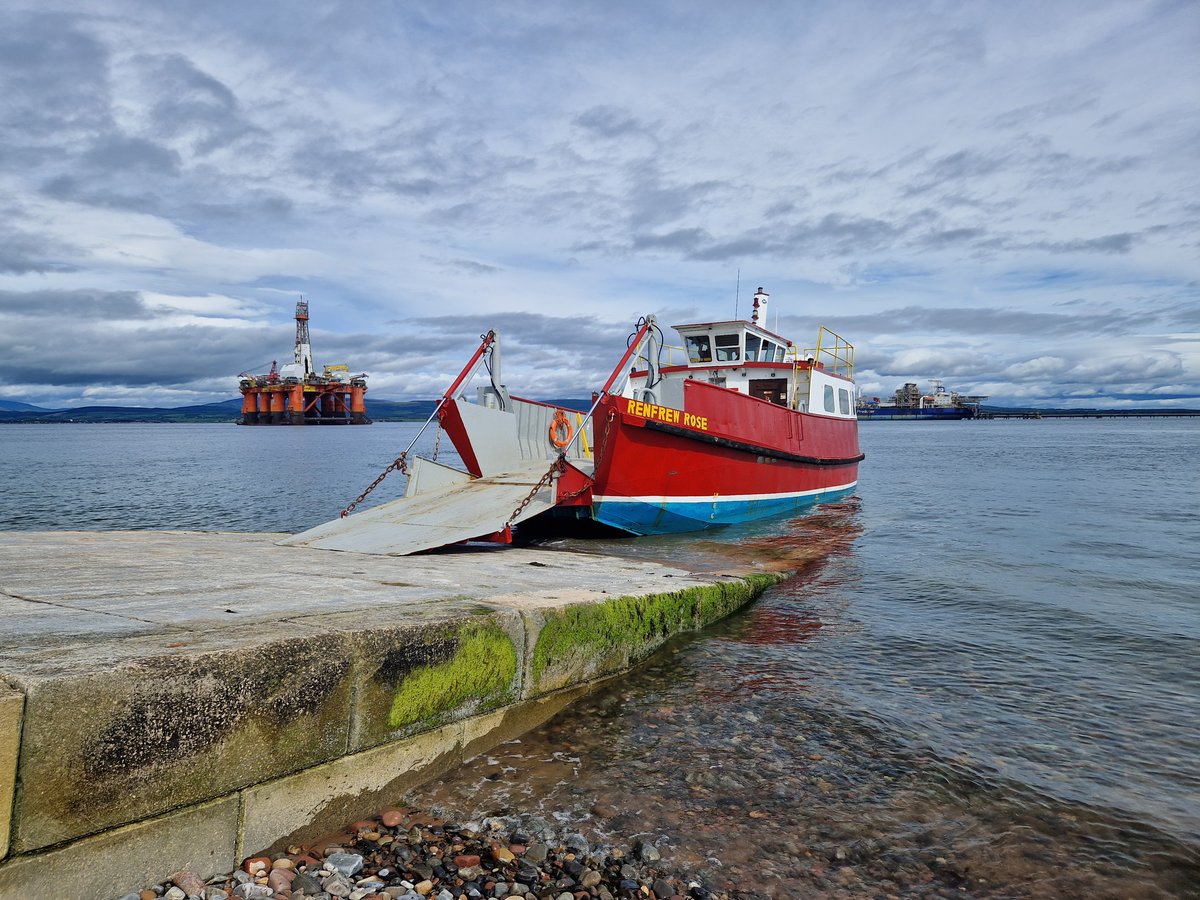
(447, 862)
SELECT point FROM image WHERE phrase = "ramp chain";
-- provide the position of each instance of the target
(400, 462)
(604, 439)
(559, 465)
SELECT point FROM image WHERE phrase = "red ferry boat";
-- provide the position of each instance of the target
(737, 424)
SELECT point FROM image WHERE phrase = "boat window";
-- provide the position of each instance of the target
(729, 347)
(844, 401)
(779, 351)
(768, 351)
(752, 344)
(829, 398)
(698, 349)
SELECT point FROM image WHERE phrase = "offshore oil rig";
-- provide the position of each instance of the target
(297, 395)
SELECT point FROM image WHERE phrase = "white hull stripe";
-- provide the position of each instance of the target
(720, 498)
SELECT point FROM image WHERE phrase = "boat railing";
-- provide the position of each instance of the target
(833, 353)
(670, 356)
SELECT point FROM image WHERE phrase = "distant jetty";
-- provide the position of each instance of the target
(1085, 413)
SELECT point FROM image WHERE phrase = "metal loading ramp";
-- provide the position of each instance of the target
(443, 507)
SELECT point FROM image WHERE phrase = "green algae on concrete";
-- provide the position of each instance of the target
(394, 661)
(105, 748)
(481, 671)
(589, 640)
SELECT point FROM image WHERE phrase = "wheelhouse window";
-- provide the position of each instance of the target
(829, 407)
(768, 351)
(729, 347)
(844, 401)
(698, 349)
(753, 343)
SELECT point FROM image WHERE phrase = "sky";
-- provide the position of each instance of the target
(1005, 196)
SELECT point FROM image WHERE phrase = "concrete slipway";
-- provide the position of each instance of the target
(181, 700)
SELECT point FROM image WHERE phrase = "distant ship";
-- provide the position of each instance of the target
(910, 403)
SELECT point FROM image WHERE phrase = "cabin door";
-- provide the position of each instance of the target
(773, 390)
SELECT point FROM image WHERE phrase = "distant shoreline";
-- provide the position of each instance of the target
(139, 416)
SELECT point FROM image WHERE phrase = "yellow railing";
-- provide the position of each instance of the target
(833, 352)
(671, 356)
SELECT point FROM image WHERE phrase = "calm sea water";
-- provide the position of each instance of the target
(986, 670)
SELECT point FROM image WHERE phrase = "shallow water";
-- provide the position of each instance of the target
(781, 754)
(989, 657)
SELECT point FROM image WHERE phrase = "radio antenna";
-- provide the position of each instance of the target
(737, 293)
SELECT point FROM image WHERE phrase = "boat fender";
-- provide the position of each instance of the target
(561, 424)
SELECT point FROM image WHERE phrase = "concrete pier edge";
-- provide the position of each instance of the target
(167, 704)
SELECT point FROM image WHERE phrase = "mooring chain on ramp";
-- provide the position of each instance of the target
(559, 465)
(400, 462)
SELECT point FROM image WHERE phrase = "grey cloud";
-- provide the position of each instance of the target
(652, 202)
(542, 355)
(686, 240)
(22, 253)
(1184, 315)
(1052, 168)
(254, 205)
(1035, 113)
(470, 267)
(965, 164)
(61, 338)
(118, 172)
(609, 122)
(951, 237)
(53, 82)
(119, 153)
(78, 190)
(965, 320)
(955, 172)
(532, 330)
(74, 306)
(835, 234)
(1109, 243)
(438, 159)
(1033, 159)
(415, 187)
(192, 104)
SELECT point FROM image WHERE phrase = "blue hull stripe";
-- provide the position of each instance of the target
(673, 515)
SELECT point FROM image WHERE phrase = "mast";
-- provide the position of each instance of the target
(760, 307)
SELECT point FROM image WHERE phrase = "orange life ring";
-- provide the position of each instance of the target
(561, 421)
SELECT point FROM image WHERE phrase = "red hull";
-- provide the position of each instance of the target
(727, 458)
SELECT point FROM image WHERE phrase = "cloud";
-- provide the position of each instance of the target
(22, 253)
(609, 122)
(958, 193)
(54, 87)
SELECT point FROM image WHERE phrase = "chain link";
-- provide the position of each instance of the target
(608, 420)
(559, 465)
(437, 442)
(400, 462)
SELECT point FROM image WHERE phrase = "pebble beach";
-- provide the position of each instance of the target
(405, 854)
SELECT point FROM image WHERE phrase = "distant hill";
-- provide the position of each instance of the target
(14, 406)
(12, 412)
(225, 411)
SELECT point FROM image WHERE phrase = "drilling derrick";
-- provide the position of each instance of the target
(303, 347)
(296, 395)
